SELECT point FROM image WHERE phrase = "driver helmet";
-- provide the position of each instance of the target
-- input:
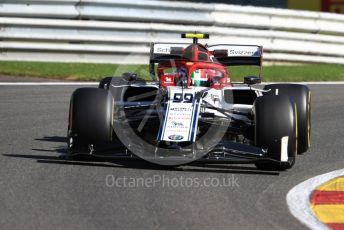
(181, 76)
(200, 77)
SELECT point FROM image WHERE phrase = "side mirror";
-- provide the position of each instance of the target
(251, 80)
(129, 76)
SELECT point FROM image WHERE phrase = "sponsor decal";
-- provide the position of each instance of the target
(165, 48)
(181, 109)
(175, 117)
(181, 116)
(168, 79)
(177, 124)
(241, 52)
(162, 50)
(175, 137)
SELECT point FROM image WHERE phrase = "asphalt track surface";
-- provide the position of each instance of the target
(40, 190)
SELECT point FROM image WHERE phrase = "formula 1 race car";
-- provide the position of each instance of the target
(191, 111)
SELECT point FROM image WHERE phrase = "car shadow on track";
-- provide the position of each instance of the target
(132, 163)
(53, 139)
(141, 164)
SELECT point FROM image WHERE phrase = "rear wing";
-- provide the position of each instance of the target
(225, 54)
(231, 55)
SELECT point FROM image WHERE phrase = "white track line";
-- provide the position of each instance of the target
(96, 83)
(298, 199)
(309, 83)
(47, 83)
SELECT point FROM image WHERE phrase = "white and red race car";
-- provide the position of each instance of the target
(191, 111)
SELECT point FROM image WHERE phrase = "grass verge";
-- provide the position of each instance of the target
(94, 72)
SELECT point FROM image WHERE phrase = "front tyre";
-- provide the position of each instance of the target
(90, 118)
(302, 97)
(275, 118)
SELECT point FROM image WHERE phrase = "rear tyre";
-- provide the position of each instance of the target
(274, 119)
(302, 97)
(90, 118)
